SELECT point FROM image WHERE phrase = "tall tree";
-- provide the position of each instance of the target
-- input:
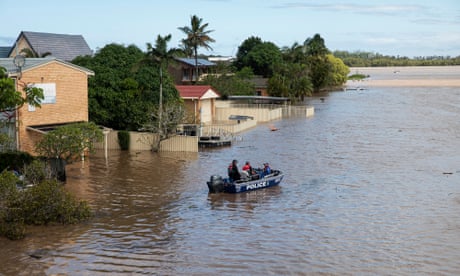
(244, 49)
(161, 54)
(197, 36)
(316, 52)
(121, 92)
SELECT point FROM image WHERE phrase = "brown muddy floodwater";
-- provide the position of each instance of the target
(372, 186)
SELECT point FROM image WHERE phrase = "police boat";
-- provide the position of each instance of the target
(257, 179)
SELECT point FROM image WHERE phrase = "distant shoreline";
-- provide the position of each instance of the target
(411, 76)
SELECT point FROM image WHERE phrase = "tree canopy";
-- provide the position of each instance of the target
(259, 56)
(124, 89)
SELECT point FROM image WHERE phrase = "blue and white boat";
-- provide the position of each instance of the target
(258, 180)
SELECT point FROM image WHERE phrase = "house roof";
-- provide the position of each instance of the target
(4, 51)
(198, 92)
(62, 46)
(201, 62)
(31, 63)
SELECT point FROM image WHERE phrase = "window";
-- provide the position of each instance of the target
(49, 91)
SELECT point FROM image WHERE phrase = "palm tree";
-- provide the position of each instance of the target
(197, 36)
(163, 56)
(28, 53)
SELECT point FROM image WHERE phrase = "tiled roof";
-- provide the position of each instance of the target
(4, 51)
(62, 46)
(196, 91)
(191, 61)
(31, 63)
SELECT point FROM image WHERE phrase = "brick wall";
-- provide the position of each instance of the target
(71, 100)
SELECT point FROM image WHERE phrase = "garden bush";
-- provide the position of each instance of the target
(123, 139)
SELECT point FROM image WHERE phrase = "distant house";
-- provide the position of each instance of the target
(185, 73)
(65, 87)
(260, 85)
(65, 47)
(199, 102)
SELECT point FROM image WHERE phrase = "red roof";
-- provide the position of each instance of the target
(196, 91)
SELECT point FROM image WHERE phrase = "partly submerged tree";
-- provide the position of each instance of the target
(338, 74)
(172, 114)
(67, 143)
(197, 36)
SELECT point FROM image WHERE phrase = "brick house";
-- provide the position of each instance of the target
(199, 102)
(65, 87)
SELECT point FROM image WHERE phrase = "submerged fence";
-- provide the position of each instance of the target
(141, 141)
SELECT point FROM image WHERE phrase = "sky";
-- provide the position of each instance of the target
(390, 27)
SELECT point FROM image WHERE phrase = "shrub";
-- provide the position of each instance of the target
(123, 139)
(48, 202)
(45, 202)
(14, 160)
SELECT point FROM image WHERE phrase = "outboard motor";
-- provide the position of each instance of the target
(216, 184)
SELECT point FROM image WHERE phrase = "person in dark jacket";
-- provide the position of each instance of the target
(233, 172)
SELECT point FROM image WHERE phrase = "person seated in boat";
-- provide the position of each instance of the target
(233, 172)
(246, 171)
(267, 169)
(247, 167)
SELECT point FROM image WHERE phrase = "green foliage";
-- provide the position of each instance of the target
(290, 80)
(11, 220)
(124, 87)
(338, 73)
(34, 173)
(10, 99)
(230, 84)
(260, 57)
(370, 59)
(15, 160)
(69, 141)
(357, 77)
(48, 202)
(45, 202)
(123, 139)
(315, 46)
(244, 49)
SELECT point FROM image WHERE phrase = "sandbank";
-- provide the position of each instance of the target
(412, 76)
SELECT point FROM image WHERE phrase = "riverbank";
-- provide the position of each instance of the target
(412, 76)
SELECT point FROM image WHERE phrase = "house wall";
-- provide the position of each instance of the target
(21, 44)
(208, 110)
(71, 100)
(192, 117)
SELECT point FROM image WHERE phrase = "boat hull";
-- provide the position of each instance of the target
(218, 184)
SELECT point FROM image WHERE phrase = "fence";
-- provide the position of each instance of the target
(263, 112)
(259, 114)
(141, 141)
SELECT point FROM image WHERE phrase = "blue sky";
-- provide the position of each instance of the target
(391, 27)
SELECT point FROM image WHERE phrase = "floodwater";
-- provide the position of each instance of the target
(372, 186)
